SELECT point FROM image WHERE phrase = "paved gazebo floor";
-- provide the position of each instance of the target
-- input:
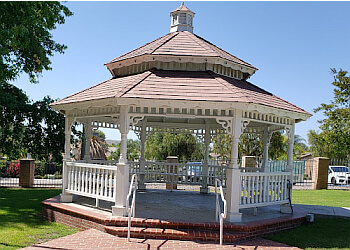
(176, 205)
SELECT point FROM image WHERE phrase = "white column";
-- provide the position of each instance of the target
(266, 144)
(88, 134)
(286, 208)
(205, 171)
(290, 134)
(122, 185)
(141, 181)
(64, 196)
(124, 130)
(122, 189)
(233, 185)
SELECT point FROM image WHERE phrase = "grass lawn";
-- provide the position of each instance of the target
(333, 198)
(21, 224)
(325, 233)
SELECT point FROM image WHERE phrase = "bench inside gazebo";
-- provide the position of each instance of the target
(180, 83)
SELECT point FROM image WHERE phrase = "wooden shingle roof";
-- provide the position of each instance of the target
(181, 85)
(181, 43)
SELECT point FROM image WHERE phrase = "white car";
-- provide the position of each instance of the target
(338, 175)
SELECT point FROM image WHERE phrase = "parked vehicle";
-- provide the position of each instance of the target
(194, 171)
(338, 175)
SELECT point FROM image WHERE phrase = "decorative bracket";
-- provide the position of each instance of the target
(244, 125)
(226, 124)
(133, 120)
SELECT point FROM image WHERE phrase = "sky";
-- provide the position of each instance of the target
(293, 44)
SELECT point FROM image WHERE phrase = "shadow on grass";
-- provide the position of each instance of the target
(23, 206)
(325, 232)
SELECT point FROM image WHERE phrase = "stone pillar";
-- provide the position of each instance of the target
(65, 197)
(26, 173)
(171, 169)
(320, 173)
(205, 168)
(142, 162)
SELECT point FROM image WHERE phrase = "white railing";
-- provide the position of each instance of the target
(131, 208)
(91, 180)
(263, 189)
(218, 214)
(179, 173)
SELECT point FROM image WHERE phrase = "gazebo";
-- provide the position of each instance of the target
(179, 83)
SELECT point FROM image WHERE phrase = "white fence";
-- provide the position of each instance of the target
(91, 180)
(262, 189)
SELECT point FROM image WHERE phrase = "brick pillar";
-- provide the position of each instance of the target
(171, 169)
(26, 172)
(320, 173)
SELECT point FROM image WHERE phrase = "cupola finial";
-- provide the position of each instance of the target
(182, 19)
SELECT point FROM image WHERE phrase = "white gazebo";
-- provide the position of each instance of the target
(179, 83)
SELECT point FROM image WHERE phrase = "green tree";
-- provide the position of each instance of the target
(251, 144)
(100, 135)
(278, 147)
(334, 139)
(222, 144)
(133, 152)
(14, 109)
(185, 146)
(44, 133)
(25, 39)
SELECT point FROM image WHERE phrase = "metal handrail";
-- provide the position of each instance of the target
(131, 209)
(218, 213)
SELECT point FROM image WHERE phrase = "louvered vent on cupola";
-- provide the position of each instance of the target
(182, 19)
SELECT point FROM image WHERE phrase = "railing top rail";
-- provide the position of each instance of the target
(90, 165)
(265, 173)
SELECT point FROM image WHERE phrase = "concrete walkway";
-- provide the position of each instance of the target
(94, 239)
(324, 210)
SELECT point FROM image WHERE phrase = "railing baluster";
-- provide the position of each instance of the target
(82, 179)
(69, 170)
(106, 182)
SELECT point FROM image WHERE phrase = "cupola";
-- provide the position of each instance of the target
(182, 19)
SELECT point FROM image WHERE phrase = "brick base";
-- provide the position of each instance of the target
(83, 219)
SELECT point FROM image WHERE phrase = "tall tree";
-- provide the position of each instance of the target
(44, 132)
(335, 127)
(25, 39)
(26, 45)
(133, 151)
(14, 109)
(185, 146)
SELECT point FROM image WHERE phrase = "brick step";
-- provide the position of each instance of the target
(175, 234)
(155, 223)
